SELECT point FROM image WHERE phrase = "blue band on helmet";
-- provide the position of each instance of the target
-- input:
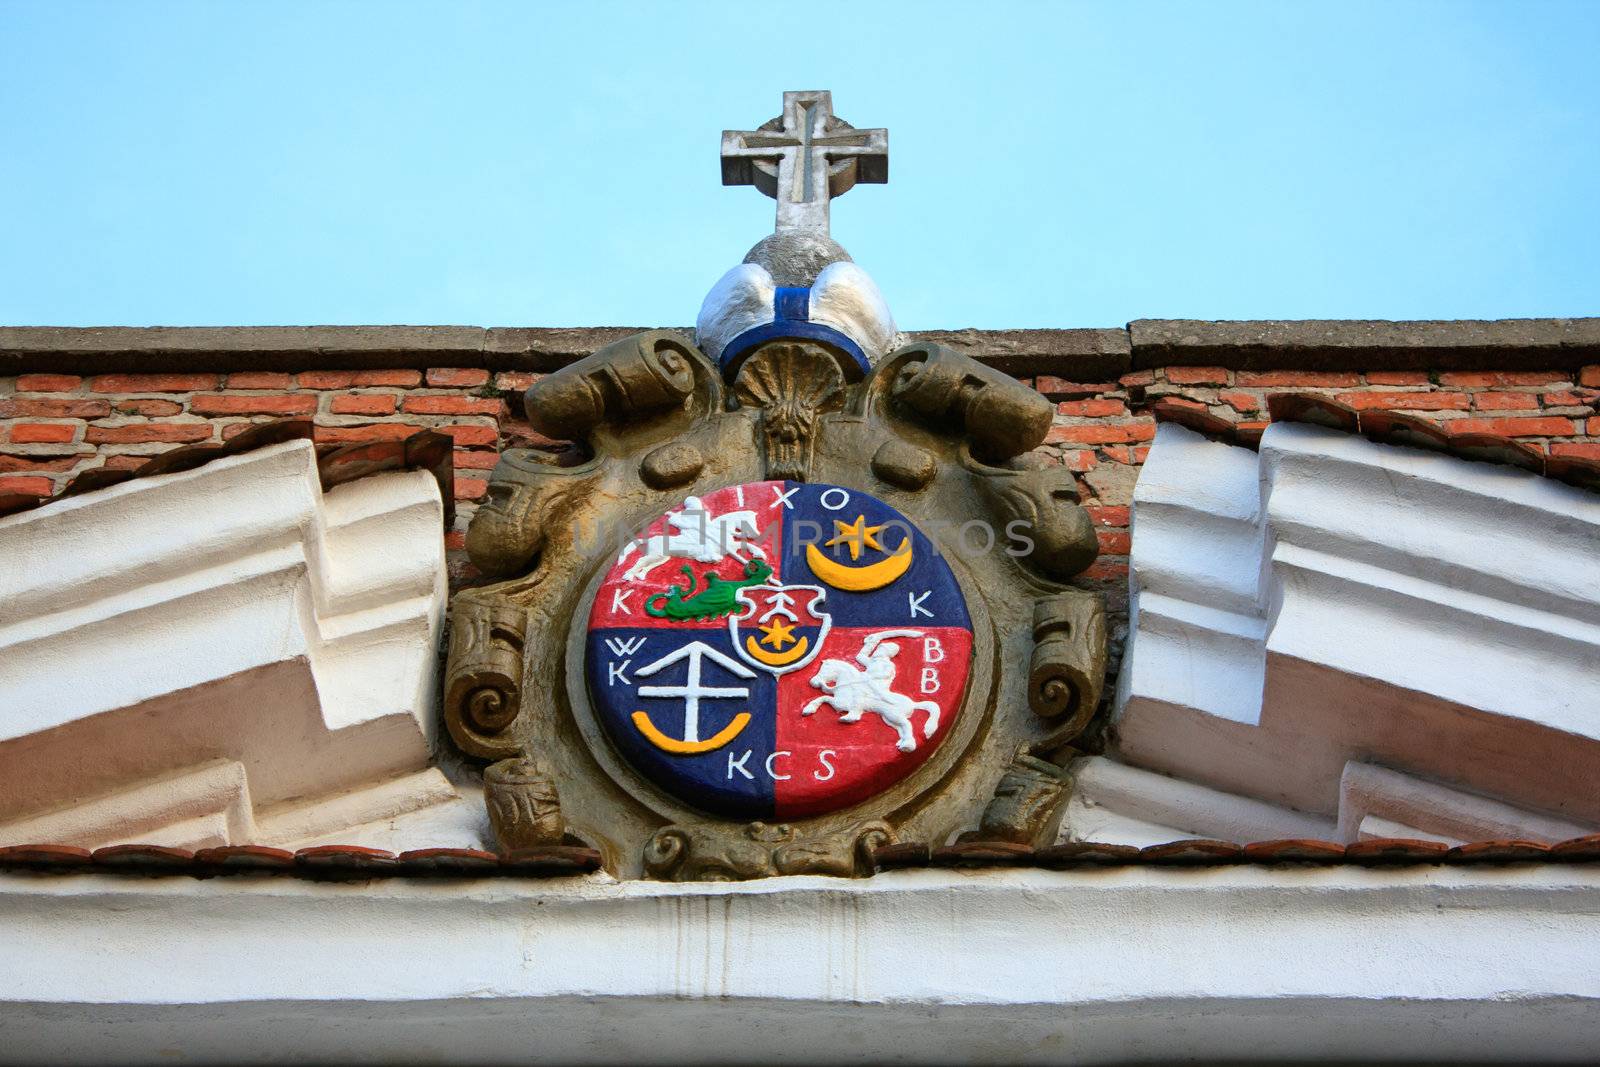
(746, 342)
(791, 303)
(791, 318)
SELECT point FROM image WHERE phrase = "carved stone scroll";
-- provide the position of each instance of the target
(523, 807)
(629, 379)
(1044, 504)
(483, 679)
(1028, 804)
(1067, 670)
(1002, 417)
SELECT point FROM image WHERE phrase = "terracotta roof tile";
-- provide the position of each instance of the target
(1086, 854)
(242, 859)
(1293, 850)
(1504, 851)
(983, 854)
(354, 862)
(1577, 850)
(448, 862)
(45, 858)
(1196, 852)
(145, 859)
(552, 859)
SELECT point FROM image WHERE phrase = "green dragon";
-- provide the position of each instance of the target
(682, 602)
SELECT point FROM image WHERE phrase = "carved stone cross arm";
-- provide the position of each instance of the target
(805, 158)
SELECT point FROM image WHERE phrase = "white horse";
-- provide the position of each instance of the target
(854, 692)
(697, 535)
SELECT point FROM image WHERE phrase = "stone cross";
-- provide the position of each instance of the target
(804, 159)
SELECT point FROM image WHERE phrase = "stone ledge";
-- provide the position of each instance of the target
(1435, 964)
(1076, 354)
(1365, 344)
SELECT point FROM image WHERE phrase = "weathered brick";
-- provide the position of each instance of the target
(1567, 398)
(1102, 433)
(1397, 377)
(471, 435)
(394, 379)
(1243, 402)
(345, 379)
(138, 432)
(471, 488)
(1138, 377)
(54, 408)
(253, 404)
(1062, 389)
(48, 383)
(259, 379)
(1576, 449)
(363, 404)
(1107, 570)
(455, 541)
(377, 431)
(1590, 375)
(42, 433)
(1406, 401)
(1106, 515)
(1198, 375)
(1114, 542)
(146, 406)
(1298, 379)
(1541, 426)
(1092, 409)
(1079, 459)
(465, 377)
(1485, 379)
(1504, 401)
(1593, 427)
(31, 464)
(25, 485)
(153, 383)
(125, 463)
(515, 380)
(475, 460)
(451, 405)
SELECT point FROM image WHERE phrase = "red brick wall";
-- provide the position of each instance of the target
(53, 426)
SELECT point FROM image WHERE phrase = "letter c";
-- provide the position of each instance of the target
(774, 775)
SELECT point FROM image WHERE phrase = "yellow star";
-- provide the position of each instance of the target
(855, 536)
(778, 633)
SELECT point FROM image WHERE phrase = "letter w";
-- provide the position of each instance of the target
(624, 646)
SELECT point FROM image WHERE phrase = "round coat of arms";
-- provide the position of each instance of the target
(776, 650)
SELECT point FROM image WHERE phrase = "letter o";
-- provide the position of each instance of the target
(844, 498)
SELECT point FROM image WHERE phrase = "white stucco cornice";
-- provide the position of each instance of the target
(1429, 963)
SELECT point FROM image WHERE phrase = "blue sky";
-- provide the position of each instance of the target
(1051, 164)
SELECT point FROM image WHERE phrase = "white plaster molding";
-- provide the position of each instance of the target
(220, 655)
(1334, 601)
(1125, 805)
(1109, 966)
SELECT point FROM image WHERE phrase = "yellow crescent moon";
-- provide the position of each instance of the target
(679, 747)
(860, 579)
(777, 659)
